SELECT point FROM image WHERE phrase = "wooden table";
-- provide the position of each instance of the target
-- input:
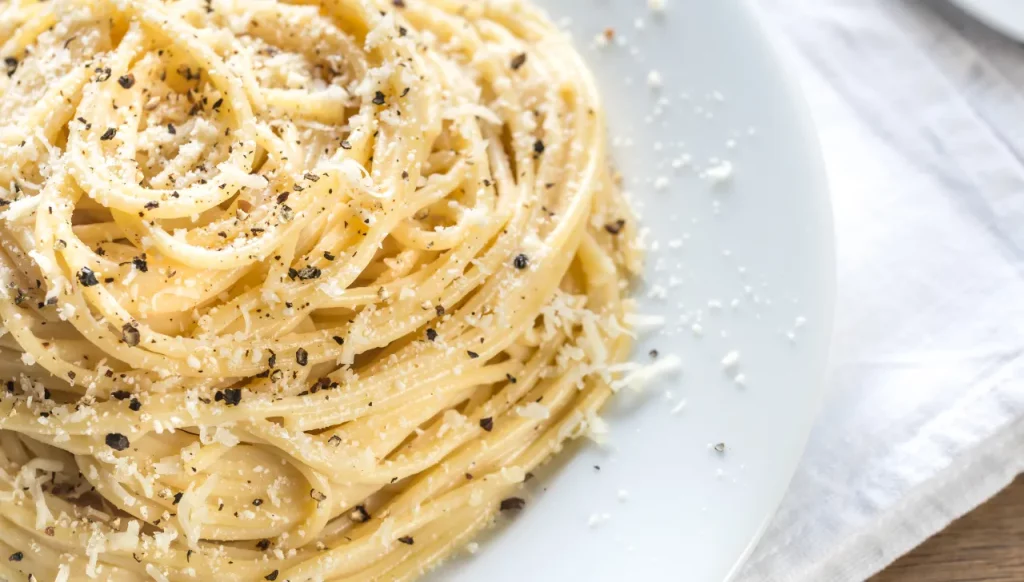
(985, 545)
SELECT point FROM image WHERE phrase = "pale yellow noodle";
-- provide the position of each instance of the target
(293, 290)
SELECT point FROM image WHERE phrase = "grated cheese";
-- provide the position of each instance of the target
(719, 172)
(534, 411)
(192, 509)
(598, 519)
(641, 377)
(731, 361)
(127, 540)
(164, 538)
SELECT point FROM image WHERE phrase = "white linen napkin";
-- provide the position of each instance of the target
(921, 116)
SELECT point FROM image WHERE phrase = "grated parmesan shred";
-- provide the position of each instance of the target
(639, 378)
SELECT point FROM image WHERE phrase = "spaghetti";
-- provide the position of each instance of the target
(293, 291)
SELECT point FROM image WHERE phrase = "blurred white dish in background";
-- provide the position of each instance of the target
(1006, 16)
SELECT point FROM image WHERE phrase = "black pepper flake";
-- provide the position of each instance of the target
(398, 3)
(359, 514)
(152, 204)
(140, 264)
(311, 177)
(512, 504)
(263, 544)
(431, 334)
(271, 576)
(318, 496)
(538, 147)
(487, 423)
(406, 91)
(102, 74)
(720, 448)
(11, 64)
(292, 274)
(301, 357)
(511, 379)
(272, 360)
(329, 256)
(217, 104)
(188, 556)
(87, 278)
(653, 354)
(16, 557)
(339, 340)
(117, 441)
(521, 261)
(177, 497)
(134, 405)
(518, 61)
(407, 540)
(309, 273)
(257, 502)
(283, 197)
(171, 129)
(472, 355)
(232, 396)
(378, 99)
(109, 134)
(121, 394)
(126, 81)
(130, 335)
(615, 227)
(439, 310)
(345, 145)
(405, 175)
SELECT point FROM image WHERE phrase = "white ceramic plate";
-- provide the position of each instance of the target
(1006, 16)
(759, 244)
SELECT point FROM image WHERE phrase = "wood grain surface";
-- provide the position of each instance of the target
(984, 545)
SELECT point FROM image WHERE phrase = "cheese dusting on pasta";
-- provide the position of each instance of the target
(293, 291)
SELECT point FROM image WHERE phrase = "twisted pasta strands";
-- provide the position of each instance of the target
(294, 291)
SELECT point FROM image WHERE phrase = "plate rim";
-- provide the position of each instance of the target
(782, 60)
